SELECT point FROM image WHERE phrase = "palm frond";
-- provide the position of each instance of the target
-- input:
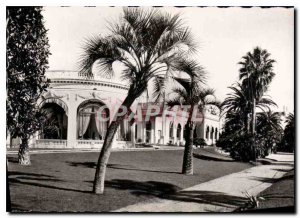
(100, 51)
(159, 88)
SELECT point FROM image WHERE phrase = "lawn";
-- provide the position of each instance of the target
(63, 181)
(280, 194)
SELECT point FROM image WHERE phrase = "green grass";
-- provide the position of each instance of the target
(63, 181)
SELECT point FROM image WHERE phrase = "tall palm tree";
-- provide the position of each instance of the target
(146, 44)
(190, 93)
(256, 73)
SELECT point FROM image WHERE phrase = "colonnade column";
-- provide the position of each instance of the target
(174, 133)
(133, 126)
(153, 132)
(181, 134)
(72, 127)
(144, 133)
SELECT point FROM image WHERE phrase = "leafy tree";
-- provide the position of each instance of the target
(27, 60)
(288, 141)
(146, 44)
(190, 93)
(269, 130)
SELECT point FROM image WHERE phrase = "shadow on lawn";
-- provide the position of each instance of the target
(33, 180)
(160, 190)
(116, 166)
(207, 157)
(171, 192)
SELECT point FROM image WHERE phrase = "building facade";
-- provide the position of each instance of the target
(74, 105)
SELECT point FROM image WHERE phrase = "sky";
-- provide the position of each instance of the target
(224, 35)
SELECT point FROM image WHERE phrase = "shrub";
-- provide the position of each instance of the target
(239, 146)
(199, 142)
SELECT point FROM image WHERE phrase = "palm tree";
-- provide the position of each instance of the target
(190, 93)
(256, 74)
(146, 44)
(238, 104)
(288, 141)
(269, 128)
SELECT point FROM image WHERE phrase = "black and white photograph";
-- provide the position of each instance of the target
(150, 109)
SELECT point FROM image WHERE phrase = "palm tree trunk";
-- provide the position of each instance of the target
(253, 128)
(98, 187)
(253, 116)
(187, 165)
(23, 155)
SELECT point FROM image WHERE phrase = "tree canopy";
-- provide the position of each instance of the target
(26, 62)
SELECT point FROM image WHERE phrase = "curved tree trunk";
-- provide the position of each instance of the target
(98, 187)
(23, 155)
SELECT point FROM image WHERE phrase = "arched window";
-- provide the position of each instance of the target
(124, 131)
(195, 131)
(185, 131)
(171, 130)
(148, 131)
(212, 133)
(207, 132)
(135, 131)
(178, 131)
(56, 124)
(93, 120)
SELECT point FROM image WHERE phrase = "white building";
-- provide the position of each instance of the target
(73, 103)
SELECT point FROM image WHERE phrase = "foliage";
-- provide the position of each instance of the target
(238, 103)
(269, 130)
(238, 144)
(256, 72)
(27, 54)
(146, 43)
(199, 142)
(251, 203)
(288, 140)
(240, 135)
(235, 139)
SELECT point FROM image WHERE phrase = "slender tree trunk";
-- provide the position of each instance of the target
(23, 155)
(253, 128)
(98, 187)
(8, 199)
(187, 164)
(253, 117)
